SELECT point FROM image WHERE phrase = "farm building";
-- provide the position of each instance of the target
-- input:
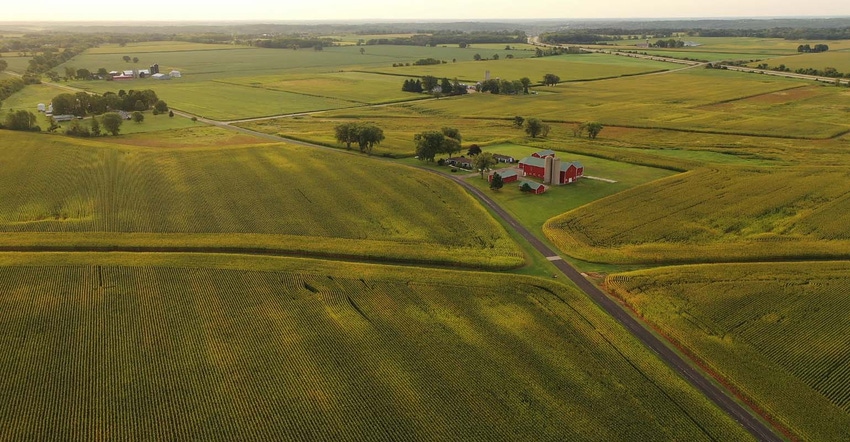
(159, 76)
(41, 107)
(508, 175)
(175, 74)
(129, 73)
(536, 188)
(463, 162)
(61, 118)
(503, 158)
(551, 170)
(122, 77)
(544, 153)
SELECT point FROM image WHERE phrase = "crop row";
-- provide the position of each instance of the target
(778, 332)
(97, 352)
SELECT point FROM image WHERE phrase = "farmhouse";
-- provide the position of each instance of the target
(503, 158)
(536, 188)
(463, 162)
(508, 175)
(550, 169)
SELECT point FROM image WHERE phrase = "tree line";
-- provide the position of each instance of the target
(806, 48)
(435, 86)
(82, 103)
(453, 37)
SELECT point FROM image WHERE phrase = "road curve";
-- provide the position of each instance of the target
(695, 377)
(718, 395)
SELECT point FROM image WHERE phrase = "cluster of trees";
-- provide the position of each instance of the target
(108, 123)
(548, 52)
(51, 58)
(9, 86)
(431, 143)
(813, 49)
(434, 85)
(551, 80)
(505, 87)
(671, 43)
(366, 135)
(82, 103)
(427, 61)
(293, 42)
(20, 120)
(534, 127)
(463, 39)
(592, 129)
(574, 37)
(825, 72)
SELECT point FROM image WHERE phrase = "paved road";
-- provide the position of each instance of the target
(687, 371)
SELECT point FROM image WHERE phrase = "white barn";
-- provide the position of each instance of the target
(175, 74)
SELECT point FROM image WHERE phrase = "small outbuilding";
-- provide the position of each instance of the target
(544, 153)
(159, 76)
(508, 175)
(463, 162)
(175, 74)
(41, 107)
(536, 188)
(503, 158)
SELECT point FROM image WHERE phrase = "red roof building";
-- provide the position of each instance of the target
(508, 175)
(536, 188)
(562, 173)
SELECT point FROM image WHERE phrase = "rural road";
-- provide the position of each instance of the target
(700, 381)
(696, 378)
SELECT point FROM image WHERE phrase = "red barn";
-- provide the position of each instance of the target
(508, 175)
(537, 167)
(544, 153)
(536, 188)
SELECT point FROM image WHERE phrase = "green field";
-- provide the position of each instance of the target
(715, 215)
(777, 332)
(840, 60)
(568, 67)
(738, 45)
(16, 63)
(92, 193)
(170, 352)
(697, 54)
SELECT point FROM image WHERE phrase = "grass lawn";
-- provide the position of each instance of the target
(840, 60)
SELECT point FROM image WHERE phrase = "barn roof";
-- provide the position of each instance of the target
(505, 173)
(532, 184)
(545, 153)
(533, 161)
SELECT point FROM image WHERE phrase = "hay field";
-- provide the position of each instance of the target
(776, 332)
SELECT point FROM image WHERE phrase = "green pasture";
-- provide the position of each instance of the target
(179, 351)
(777, 332)
(568, 67)
(350, 86)
(96, 192)
(398, 131)
(697, 54)
(157, 46)
(533, 210)
(736, 45)
(676, 100)
(840, 60)
(16, 64)
(715, 215)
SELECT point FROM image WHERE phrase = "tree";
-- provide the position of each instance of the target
(526, 82)
(102, 72)
(362, 51)
(138, 117)
(161, 106)
(76, 129)
(453, 140)
(3, 65)
(497, 182)
(429, 82)
(518, 121)
(135, 59)
(83, 74)
(95, 127)
(346, 133)
(70, 72)
(484, 162)
(429, 144)
(126, 58)
(446, 86)
(495, 56)
(476, 57)
(368, 135)
(140, 106)
(21, 120)
(551, 79)
(473, 150)
(534, 127)
(171, 114)
(593, 130)
(525, 188)
(111, 122)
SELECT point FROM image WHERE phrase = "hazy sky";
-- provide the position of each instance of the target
(183, 10)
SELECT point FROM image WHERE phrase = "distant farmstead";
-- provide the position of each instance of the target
(550, 169)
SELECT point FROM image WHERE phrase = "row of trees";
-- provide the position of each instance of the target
(813, 49)
(82, 103)
(462, 39)
(366, 135)
(433, 85)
